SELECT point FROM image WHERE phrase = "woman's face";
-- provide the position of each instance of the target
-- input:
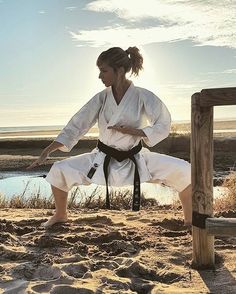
(107, 75)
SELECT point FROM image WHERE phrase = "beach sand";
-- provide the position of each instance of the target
(102, 251)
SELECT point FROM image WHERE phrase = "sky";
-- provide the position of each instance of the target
(48, 52)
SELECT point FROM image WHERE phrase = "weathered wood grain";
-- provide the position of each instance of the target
(218, 96)
(202, 179)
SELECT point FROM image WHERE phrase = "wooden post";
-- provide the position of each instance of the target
(202, 179)
(204, 227)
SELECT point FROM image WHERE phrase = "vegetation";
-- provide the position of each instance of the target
(77, 199)
(120, 199)
(228, 200)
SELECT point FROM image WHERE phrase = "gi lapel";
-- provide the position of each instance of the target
(121, 106)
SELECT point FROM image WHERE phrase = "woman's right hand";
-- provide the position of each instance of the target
(42, 158)
(44, 155)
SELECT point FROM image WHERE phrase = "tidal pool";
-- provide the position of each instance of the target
(30, 184)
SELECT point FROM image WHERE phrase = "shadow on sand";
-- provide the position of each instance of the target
(219, 281)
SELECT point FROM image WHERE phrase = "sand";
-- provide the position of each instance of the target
(102, 251)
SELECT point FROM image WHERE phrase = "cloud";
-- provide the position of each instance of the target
(71, 8)
(125, 36)
(230, 71)
(226, 71)
(203, 22)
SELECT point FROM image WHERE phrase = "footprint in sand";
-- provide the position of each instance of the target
(10, 253)
(80, 248)
(77, 270)
(30, 271)
(9, 239)
(95, 220)
(20, 228)
(108, 237)
(59, 228)
(7, 226)
(96, 237)
(142, 286)
(42, 288)
(170, 224)
(70, 259)
(111, 265)
(118, 246)
(47, 241)
(68, 289)
(47, 285)
(138, 270)
(117, 284)
(14, 286)
(20, 231)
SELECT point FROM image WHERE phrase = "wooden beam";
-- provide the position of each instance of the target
(202, 180)
(218, 96)
(221, 226)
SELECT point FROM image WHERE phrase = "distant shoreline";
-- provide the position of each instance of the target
(225, 128)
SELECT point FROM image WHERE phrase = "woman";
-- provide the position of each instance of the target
(126, 114)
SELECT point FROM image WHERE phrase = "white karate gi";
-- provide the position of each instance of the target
(139, 108)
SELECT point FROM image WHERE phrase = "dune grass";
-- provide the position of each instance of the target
(77, 199)
(228, 200)
(120, 199)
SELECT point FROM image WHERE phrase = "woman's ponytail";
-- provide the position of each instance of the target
(136, 60)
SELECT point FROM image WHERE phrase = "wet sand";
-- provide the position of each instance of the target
(102, 251)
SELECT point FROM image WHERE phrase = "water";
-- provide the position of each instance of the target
(28, 184)
(30, 128)
(18, 183)
(37, 132)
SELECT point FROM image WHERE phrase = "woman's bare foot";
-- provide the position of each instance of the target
(54, 220)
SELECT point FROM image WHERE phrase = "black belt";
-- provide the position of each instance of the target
(120, 156)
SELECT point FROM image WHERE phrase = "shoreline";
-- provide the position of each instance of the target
(17, 153)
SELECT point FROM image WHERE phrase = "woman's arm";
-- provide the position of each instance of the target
(159, 119)
(80, 123)
(45, 153)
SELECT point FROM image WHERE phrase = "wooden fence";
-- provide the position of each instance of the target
(205, 227)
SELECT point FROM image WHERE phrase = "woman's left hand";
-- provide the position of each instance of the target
(128, 130)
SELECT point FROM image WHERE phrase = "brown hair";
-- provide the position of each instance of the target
(116, 57)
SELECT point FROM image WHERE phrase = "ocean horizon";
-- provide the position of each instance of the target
(36, 128)
(30, 128)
